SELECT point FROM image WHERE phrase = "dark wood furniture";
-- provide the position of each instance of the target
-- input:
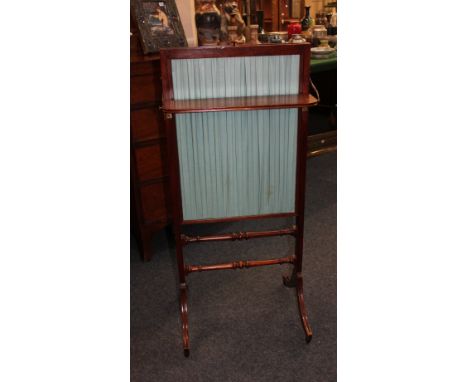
(323, 131)
(180, 130)
(277, 14)
(149, 176)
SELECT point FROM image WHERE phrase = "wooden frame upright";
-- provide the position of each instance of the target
(302, 102)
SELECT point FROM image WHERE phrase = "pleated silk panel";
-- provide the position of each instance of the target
(236, 163)
(235, 77)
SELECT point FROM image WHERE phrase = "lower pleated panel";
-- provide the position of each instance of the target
(237, 163)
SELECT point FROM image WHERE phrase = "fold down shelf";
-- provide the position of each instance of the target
(239, 103)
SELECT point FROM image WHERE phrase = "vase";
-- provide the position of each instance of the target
(208, 23)
(253, 34)
(306, 22)
(294, 28)
(260, 22)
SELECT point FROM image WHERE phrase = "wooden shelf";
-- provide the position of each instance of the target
(239, 103)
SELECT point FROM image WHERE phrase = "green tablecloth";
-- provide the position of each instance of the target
(321, 65)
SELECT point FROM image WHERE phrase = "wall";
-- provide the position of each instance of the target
(186, 10)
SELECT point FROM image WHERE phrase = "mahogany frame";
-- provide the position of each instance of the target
(170, 107)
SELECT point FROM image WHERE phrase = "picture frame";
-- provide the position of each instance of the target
(159, 24)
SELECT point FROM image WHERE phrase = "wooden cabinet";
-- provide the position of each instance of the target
(278, 14)
(323, 127)
(149, 176)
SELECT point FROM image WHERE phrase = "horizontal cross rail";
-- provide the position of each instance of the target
(239, 264)
(238, 235)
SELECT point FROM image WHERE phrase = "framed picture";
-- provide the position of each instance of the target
(159, 24)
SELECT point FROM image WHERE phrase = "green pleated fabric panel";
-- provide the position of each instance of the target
(236, 163)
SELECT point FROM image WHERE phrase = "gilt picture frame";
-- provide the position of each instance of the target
(159, 24)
